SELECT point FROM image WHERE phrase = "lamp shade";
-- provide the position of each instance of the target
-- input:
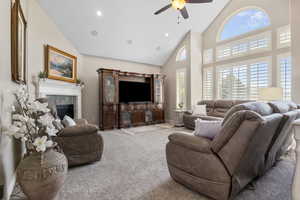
(270, 94)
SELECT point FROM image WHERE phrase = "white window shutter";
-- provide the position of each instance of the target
(241, 81)
(284, 36)
(285, 76)
(208, 83)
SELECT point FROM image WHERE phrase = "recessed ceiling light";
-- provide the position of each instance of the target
(99, 13)
(94, 33)
(166, 34)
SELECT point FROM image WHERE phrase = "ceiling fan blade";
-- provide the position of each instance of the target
(184, 13)
(163, 9)
(199, 1)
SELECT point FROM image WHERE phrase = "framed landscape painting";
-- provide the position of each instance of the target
(60, 65)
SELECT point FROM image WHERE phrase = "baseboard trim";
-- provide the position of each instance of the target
(169, 121)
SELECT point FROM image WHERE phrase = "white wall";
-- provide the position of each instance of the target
(196, 67)
(9, 151)
(89, 75)
(295, 26)
(169, 69)
(41, 31)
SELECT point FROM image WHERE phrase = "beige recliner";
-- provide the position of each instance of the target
(247, 146)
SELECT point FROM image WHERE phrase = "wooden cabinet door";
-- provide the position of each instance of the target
(125, 119)
(110, 88)
(110, 113)
(158, 89)
(138, 118)
(158, 116)
(108, 99)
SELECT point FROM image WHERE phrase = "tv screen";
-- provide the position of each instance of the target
(134, 92)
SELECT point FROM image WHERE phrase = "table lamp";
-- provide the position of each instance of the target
(270, 94)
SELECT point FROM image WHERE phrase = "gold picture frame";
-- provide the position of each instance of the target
(18, 43)
(60, 65)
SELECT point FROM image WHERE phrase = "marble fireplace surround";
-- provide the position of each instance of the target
(50, 87)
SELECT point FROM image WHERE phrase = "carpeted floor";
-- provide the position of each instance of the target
(134, 168)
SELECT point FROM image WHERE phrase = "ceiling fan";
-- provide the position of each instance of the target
(180, 6)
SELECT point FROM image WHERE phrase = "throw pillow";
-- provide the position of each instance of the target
(207, 129)
(200, 110)
(68, 121)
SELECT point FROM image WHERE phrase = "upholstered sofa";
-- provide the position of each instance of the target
(253, 137)
(216, 110)
(82, 144)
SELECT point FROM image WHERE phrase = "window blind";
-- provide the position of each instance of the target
(208, 83)
(258, 78)
(181, 87)
(285, 79)
(242, 81)
(284, 36)
(257, 43)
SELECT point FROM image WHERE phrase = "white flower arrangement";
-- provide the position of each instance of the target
(32, 123)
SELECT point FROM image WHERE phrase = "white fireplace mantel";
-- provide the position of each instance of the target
(48, 87)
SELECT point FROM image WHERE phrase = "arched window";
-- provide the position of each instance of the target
(181, 55)
(244, 21)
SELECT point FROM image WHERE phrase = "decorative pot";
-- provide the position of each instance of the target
(42, 175)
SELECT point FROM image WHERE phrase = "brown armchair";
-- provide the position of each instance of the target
(81, 144)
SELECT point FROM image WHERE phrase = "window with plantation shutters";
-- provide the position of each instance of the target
(254, 44)
(208, 83)
(181, 98)
(285, 75)
(258, 78)
(242, 81)
(284, 36)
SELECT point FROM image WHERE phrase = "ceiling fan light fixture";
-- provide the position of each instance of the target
(178, 4)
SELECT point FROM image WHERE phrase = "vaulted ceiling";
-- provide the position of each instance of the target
(127, 29)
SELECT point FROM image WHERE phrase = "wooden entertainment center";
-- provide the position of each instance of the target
(114, 113)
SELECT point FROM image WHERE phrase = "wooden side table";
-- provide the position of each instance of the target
(179, 117)
(296, 183)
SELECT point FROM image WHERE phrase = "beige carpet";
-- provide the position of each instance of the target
(134, 168)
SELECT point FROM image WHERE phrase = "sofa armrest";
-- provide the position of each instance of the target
(188, 112)
(81, 121)
(78, 130)
(195, 143)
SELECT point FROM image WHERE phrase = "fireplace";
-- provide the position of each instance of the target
(66, 96)
(65, 105)
(63, 110)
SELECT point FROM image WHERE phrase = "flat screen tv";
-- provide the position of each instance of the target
(134, 92)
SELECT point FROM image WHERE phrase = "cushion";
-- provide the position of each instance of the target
(258, 107)
(200, 110)
(208, 103)
(282, 107)
(232, 125)
(207, 129)
(68, 121)
(78, 131)
(224, 104)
